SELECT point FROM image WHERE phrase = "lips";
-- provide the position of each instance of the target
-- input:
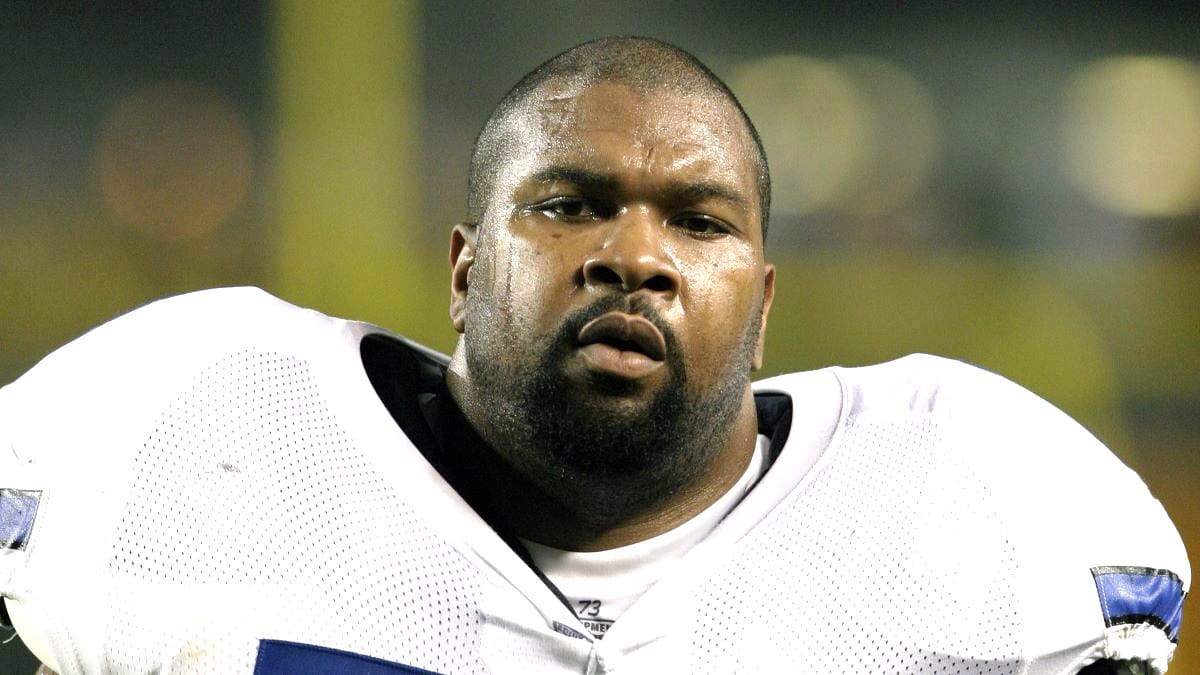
(626, 333)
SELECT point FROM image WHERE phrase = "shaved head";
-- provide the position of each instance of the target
(643, 64)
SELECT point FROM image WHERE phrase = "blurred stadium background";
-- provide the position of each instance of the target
(1013, 185)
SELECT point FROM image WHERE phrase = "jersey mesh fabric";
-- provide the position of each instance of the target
(249, 485)
(868, 571)
(266, 502)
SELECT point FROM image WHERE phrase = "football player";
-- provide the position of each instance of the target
(590, 483)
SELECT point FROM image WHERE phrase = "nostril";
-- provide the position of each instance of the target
(603, 274)
(658, 283)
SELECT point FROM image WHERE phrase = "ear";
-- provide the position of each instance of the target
(768, 297)
(462, 257)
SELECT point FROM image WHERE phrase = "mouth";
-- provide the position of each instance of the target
(624, 345)
(625, 332)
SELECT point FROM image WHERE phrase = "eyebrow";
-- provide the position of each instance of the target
(686, 192)
(702, 190)
(581, 177)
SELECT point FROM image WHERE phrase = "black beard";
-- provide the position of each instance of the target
(594, 452)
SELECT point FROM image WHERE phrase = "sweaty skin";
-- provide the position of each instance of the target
(648, 197)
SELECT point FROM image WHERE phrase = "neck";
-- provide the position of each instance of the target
(535, 507)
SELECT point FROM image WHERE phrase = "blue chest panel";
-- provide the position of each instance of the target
(277, 656)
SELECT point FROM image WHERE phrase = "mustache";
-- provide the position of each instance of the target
(629, 304)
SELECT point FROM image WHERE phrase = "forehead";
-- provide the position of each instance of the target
(659, 132)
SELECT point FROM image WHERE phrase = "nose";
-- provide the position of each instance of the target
(631, 257)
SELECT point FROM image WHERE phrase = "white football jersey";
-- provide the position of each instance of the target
(216, 483)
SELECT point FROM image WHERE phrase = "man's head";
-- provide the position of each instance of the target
(611, 290)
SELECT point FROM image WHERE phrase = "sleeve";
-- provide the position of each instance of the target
(21, 491)
(70, 430)
(1102, 569)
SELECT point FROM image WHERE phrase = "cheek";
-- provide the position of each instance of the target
(528, 284)
(721, 299)
(720, 282)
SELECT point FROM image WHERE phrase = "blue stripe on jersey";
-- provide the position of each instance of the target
(1140, 595)
(278, 656)
(17, 510)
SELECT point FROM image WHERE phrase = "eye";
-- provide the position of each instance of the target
(701, 225)
(569, 209)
